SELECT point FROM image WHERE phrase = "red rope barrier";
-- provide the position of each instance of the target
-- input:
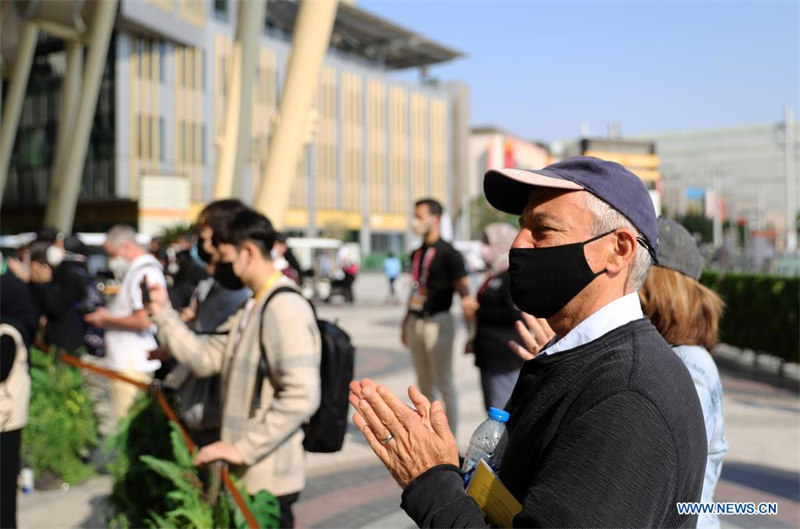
(170, 413)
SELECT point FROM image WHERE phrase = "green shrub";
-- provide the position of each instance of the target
(137, 490)
(374, 261)
(762, 312)
(62, 428)
(166, 491)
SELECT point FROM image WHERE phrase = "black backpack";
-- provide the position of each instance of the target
(326, 429)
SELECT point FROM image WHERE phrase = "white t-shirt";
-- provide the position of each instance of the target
(130, 349)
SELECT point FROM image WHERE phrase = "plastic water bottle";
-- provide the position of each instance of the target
(26, 480)
(488, 442)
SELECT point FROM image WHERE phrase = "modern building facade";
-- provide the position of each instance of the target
(374, 144)
(638, 156)
(492, 148)
(744, 168)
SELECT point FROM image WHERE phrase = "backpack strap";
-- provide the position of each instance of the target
(263, 367)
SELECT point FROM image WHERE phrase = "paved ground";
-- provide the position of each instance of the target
(351, 488)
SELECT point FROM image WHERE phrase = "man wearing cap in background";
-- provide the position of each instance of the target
(606, 429)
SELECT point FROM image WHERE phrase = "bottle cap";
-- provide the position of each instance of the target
(498, 415)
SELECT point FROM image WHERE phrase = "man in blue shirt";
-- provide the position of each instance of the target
(392, 268)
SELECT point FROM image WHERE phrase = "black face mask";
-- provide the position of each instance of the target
(223, 273)
(201, 252)
(544, 280)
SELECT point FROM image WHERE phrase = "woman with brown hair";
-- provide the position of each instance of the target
(495, 318)
(687, 313)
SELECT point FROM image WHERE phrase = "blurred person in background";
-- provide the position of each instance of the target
(428, 330)
(687, 314)
(34, 272)
(62, 290)
(20, 265)
(285, 260)
(348, 270)
(185, 275)
(15, 387)
(495, 320)
(221, 294)
(17, 329)
(392, 268)
(215, 299)
(128, 333)
(16, 303)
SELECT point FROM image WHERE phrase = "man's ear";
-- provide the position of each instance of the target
(623, 251)
(252, 249)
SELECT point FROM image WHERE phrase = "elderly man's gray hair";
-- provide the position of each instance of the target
(119, 234)
(605, 219)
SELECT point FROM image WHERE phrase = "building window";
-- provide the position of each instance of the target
(221, 8)
(187, 65)
(162, 138)
(203, 70)
(148, 53)
(140, 55)
(203, 145)
(183, 140)
(140, 135)
(162, 58)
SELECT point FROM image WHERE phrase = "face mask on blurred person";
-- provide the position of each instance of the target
(223, 273)
(421, 227)
(55, 256)
(119, 266)
(487, 254)
(200, 252)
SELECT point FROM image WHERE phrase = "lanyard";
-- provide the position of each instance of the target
(269, 283)
(252, 301)
(421, 270)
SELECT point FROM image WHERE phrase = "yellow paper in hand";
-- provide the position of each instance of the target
(492, 496)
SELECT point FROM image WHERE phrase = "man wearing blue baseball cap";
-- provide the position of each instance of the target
(606, 429)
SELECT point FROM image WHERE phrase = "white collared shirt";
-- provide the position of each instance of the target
(614, 315)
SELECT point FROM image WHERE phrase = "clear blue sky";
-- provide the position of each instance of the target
(539, 69)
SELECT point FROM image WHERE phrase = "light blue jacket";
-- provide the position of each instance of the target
(709, 389)
(392, 267)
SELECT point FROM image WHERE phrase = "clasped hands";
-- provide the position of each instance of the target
(408, 440)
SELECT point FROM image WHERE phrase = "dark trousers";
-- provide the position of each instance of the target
(9, 468)
(287, 516)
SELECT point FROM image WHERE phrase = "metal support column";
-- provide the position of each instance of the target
(70, 98)
(15, 98)
(311, 37)
(238, 109)
(64, 194)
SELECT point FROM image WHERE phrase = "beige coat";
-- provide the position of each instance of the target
(271, 441)
(15, 391)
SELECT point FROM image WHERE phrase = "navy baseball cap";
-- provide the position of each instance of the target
(508, 190)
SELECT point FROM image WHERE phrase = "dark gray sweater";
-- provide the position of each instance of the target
(609, 434)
